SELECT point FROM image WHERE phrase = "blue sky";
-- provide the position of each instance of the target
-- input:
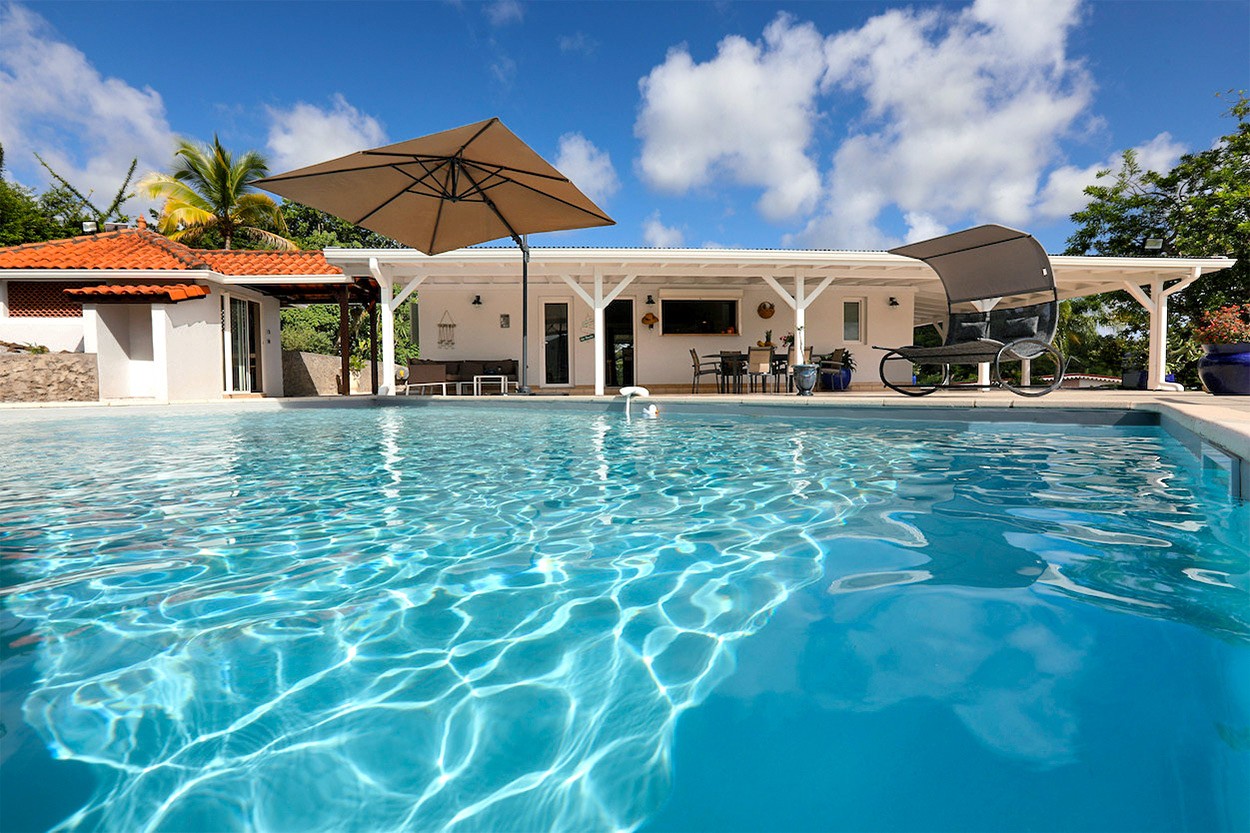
(761, 124)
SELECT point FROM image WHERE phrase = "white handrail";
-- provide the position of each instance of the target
(629, 392)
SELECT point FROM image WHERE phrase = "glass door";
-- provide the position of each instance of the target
(556, 343)
(618, 325)
(243, 356)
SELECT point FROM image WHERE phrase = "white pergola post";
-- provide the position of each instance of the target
(983, 368)
(1156, 303)
(387, 307)
(598, 303)
(799, 302)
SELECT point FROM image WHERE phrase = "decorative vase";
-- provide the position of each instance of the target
(805, 378)
(1225, 369)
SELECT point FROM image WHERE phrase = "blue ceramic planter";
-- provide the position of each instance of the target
(1225, 369)
(839, 380)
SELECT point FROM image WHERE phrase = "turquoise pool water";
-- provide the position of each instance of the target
(512, 619)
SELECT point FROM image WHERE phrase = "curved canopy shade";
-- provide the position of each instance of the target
(445, 191)
(983, 262)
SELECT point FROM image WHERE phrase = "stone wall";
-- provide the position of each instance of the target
(309, 374)
(314, 374)
(49, 377)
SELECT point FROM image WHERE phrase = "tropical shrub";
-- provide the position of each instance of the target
(1226, 325)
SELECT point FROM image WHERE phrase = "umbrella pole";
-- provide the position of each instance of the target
(523, 388)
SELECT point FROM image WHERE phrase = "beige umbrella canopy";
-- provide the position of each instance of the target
(448, 190)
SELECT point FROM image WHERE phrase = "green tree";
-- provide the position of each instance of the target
(21, 218)
(209, 194)
(1200, 208)
(315, 328)
(70, 206)
(314, 229)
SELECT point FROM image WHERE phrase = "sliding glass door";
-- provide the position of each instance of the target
(242, 346)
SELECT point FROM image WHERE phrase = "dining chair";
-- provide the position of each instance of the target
(703, 368)
(759, 366)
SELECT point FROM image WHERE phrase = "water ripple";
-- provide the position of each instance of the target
(407, 619)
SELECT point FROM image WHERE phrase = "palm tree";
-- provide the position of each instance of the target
(210, 190)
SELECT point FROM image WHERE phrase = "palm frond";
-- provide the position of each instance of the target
(273, 241)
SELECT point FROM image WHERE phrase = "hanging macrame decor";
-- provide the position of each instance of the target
(446, 330)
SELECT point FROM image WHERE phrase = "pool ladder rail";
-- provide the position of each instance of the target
(651, 411)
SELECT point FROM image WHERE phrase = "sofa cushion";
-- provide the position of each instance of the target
(426, 372)
(469, 369)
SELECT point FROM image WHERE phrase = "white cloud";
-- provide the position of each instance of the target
(579, 43)
(965, 112)
(504, 12)
(305, 134)
(921, 226)
(1064, 192)
(656, 234)
(587, 166)
(748, 114)
(88, 127)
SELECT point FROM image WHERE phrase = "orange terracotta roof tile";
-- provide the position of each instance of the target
(268, 262)
(140, 249)
(135, 248)
(138, 293)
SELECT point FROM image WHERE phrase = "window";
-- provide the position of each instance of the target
(852, 321)
(694, 317)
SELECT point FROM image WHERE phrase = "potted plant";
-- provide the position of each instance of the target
(1225, 338)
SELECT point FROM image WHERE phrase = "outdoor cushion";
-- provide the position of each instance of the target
(1020, 327)
(427, 372)
(969, 331)
(470, 369)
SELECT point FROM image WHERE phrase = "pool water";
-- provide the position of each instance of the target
(515, 619)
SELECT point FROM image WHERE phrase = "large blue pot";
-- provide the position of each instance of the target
(835, 379)
(1225, 369)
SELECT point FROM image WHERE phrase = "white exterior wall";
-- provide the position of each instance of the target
(57, 334)
(270, 347)
(658, 358)
(478, 334)
(194, 362)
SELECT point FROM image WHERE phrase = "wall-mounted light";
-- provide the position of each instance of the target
(1154, 244)
(650, 301)
(650, 320)
(477, 300)
(893, 301)
(90, 227)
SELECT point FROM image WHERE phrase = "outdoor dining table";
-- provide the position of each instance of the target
(733, 368)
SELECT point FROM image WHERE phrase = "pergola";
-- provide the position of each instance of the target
(598, 276)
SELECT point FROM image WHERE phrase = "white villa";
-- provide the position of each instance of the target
(169, 323)
(584, 304)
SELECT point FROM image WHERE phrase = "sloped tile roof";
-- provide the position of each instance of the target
(268, 262)
(142, 293)
(124, 249)
(139, 249)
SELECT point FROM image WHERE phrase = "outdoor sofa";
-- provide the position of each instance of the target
(459, 374)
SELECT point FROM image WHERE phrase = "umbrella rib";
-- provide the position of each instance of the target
(561, 201)
(491, 122)
(491, 205)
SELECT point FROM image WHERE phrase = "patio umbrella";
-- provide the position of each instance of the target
(448, 190)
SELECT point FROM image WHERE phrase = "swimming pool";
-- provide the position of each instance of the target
(480, 619)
